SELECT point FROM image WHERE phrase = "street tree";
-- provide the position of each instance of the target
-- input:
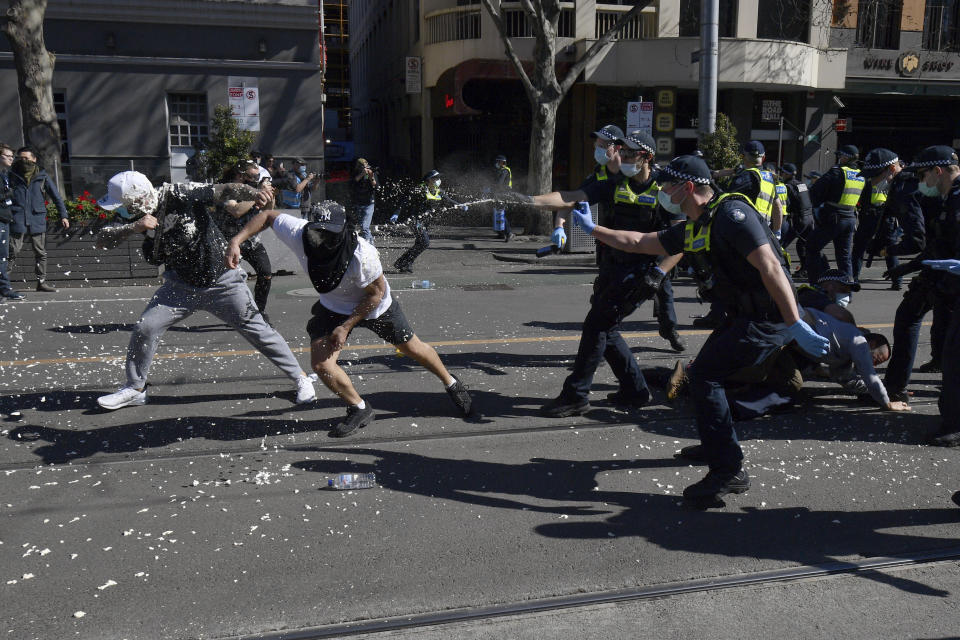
(543, 88)
(721, 148)
(229, 144)
(23, 27)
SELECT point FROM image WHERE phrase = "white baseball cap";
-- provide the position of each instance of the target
(126, 184)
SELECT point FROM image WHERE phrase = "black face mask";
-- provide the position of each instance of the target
(328, 256)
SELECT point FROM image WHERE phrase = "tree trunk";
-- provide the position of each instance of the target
(540, 174)
(24, 31)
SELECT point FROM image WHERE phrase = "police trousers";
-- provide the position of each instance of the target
(736, 345)
(949, 402)
(919, 298)
(421, 241)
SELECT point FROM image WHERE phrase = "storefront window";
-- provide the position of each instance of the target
(690, 18)
(940, 25)
(878, 24)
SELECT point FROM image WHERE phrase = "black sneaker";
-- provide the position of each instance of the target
(460, 396)
(899, 396)
(44, 287)
(561, 407)
(629, 399)
(694, 453)
(356, 419)
(896, 286)
(717, 484)
(509, 237)
(930, 367)
(946, 439)
(674, 339)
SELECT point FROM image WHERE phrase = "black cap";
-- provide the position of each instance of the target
(835, 275)
(500, 158)
(876, 161)
(848, 150)
(753, 148)
(685, 168)
(430, 175)
(328, 215)
(936, 156)
(639, 140)
(789, 169)
(610, 132)
(297, 160)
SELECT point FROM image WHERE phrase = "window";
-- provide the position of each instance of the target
(878, 24)
(189, 121)
(60, 106)
(785, 20)
(941, 25)
(690, 18)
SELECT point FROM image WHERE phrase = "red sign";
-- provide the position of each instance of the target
(235, 92)
(447, 101)
(840, 124)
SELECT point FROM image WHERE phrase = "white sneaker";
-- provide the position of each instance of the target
(305, 391)
(125, 397)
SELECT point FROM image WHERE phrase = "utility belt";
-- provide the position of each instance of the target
(620, 288)
(753, 305)
(831, 212)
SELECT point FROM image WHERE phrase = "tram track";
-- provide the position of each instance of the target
(634, 594)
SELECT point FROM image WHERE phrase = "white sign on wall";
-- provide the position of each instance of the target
(243, 96)
(640, 116)
(414, 74)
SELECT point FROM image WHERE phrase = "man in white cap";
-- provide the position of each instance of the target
(346, 271)
(181, 235)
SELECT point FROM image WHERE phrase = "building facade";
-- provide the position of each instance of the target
(136, 83)
(432, 85)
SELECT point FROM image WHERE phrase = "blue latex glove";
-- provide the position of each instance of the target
(559, 238)
(462, 207)
(950, 266)
(581, 217)
(394, 218)
(808, 339)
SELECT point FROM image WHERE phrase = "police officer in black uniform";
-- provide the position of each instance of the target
(875, 229)
(799, 223)
(938, 172)
(949, 403)
(625, 279)
(837, 194)
(737, 260)
(421, 204)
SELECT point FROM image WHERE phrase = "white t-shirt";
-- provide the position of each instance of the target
(363, 270)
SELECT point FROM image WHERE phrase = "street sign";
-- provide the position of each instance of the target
(640, 116)
(840, 124)
(414, 74)
(243, 96)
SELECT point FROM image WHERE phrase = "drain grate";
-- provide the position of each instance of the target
(487, 287)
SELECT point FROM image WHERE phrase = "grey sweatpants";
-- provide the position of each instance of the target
(229, 299)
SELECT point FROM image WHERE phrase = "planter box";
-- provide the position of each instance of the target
(72, 259)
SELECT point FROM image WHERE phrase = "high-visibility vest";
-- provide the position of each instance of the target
(635, 211)
(509, 183)
(853, 184)
(782, 197)
(431, 195)
(601, 173)
(768, 191)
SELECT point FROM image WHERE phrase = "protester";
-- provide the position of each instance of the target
(345, 270)
(6, 217)
(181, 235)
(363, 189)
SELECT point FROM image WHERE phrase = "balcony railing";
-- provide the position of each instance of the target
(940, 29)
(639, 27)
(515, 20)
(462, 23)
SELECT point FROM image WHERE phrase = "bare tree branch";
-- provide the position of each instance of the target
(532, 91)
(577, 68)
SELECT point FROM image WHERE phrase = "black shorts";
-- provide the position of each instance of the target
(391, 326)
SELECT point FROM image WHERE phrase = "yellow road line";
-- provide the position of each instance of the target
(359, 347)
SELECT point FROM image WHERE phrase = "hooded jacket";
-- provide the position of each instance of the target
(29, 210)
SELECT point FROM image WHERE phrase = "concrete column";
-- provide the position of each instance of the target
(586, 20)
(747, 12)
(426, 131)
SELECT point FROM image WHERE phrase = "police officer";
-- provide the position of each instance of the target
(606, 147)
(874, 230)
(625, 279)
(738, 260)
(949, 402)
(800, 215)
(502, 182)
(838, 191)
(420, 205)
(938, 171)
(6, 217)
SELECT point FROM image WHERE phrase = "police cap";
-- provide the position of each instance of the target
(430, 175)
(754, 148)
(835, 275)
(609, 132)
(788, 169)
(876, 161)
(639, 140)
(849, 151)
(500, 158)
(686, 168)
(936, 156)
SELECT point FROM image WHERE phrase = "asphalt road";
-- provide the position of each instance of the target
(203, 514)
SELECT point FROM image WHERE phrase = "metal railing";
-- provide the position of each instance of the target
(515, 20)
(462, 23)
(640, 27)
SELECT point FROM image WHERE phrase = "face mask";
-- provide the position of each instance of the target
(600, 156)
(927, 190)
(436, 185)
(843, 299)
(629, 170)
(302, 172)
(24, 164)
(668, 204)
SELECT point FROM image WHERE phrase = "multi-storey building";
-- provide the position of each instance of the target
(432, 85)
(136, 83)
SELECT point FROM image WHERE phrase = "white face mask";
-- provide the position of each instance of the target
(600, 156)
(436, 184)
(629, 170)
(843, 299)
(664, 199)
(927, 190)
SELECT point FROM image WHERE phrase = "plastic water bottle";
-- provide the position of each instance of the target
(426, 284)
(415, 284)
(349, 481)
